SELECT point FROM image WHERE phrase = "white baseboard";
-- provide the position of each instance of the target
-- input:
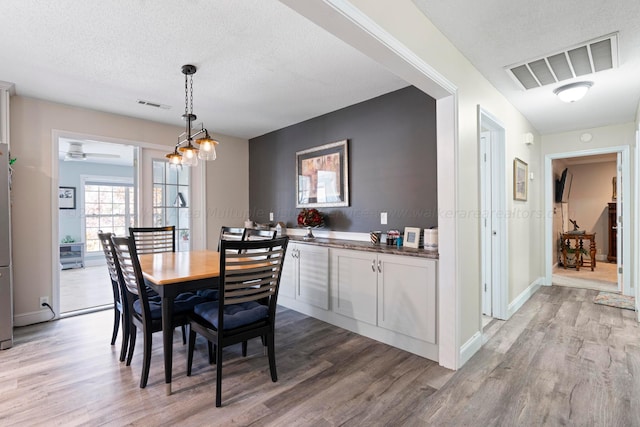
(470, 348)
(32, 318)
(524, 296)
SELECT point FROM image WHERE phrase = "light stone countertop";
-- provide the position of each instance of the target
(367, 246)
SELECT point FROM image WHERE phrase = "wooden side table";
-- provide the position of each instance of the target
(579, 248)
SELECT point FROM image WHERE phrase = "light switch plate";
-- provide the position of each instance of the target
(383, 218)
(270, 216)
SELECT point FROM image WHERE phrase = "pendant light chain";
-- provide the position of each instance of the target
(191, 94)
(186, 94)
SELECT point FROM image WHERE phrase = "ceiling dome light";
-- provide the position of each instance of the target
(573, 92)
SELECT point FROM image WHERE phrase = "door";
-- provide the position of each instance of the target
(493, 232)
(354, 284)
(486, 222)
(172, 195)
(313, 280)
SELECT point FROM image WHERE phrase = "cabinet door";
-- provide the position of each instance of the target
(353, 284)
(407, 296)
(289, 277)
(313, 275)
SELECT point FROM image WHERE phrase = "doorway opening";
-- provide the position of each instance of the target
(101, 177)
(593, 206)
(493, 225)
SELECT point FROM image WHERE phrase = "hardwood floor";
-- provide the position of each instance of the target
(561, 360)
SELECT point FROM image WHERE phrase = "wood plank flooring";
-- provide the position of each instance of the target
(561, 360)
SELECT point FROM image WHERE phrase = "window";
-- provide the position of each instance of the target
(171, 200)
(109, 207)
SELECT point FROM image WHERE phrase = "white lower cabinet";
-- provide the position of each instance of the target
(354, 290)
(305, 274)
(407, 296)
(390, 298)
(394, 292)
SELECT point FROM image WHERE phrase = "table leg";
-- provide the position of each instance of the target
(592, 253)
(167, 339)
(564, 254)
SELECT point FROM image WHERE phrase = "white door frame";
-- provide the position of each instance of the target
(637, 229)
(497, 231)
(625, 182)
(55, 228)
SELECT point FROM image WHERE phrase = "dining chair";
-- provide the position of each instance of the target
(153, 240)
(146, 312)
(246, 307)
(120, 307)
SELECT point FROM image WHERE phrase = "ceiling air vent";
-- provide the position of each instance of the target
(587, 58)
(153, 104)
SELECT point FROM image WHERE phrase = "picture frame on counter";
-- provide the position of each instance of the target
(322, 176)
(412, 237)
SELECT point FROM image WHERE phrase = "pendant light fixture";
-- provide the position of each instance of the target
(185, 153)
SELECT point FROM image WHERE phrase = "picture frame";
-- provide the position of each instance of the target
(67, 197)
(411, 237)
(322, 176)
(520, 173)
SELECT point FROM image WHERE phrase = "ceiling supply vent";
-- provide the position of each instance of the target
(587, 58)
(153, 104)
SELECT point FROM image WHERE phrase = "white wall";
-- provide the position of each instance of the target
(32, 123)
(406, 23)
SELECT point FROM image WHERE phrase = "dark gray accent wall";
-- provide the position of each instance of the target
(392, 164)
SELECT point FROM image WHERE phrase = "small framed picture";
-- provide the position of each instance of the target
(67, 197)
(411, 237)
(520, 172)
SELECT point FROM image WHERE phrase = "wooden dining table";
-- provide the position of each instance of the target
(171, 273)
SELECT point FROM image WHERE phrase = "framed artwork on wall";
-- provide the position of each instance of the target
(67, 197)
(322, 176)
(520, 172)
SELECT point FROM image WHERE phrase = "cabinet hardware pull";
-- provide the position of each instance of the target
(373, 265)
(379, 266)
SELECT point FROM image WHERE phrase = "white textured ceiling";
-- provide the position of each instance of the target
(493, 34)
(261, 66)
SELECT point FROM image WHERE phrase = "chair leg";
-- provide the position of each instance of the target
(244, 349)
(192, 344)
(212, 354)
(184, 334)
(132, 344)
(116, 325)
(125, 338)
(146, 362)
(272, 357)
(218, 376)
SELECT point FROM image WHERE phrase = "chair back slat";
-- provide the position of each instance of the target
(255, 234)
(127, 258)
(231, 233)
(251, 270)
(153, 240)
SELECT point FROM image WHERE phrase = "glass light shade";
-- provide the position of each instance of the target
(189, 155)
(207, 148)
(573, 92)
(174, 158)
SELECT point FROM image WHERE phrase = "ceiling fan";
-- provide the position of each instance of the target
(76, 153)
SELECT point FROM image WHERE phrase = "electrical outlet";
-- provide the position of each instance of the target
(270, 216)
(43, 301)
(383, 218)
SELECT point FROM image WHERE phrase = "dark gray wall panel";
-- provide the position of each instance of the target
(392, 164)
